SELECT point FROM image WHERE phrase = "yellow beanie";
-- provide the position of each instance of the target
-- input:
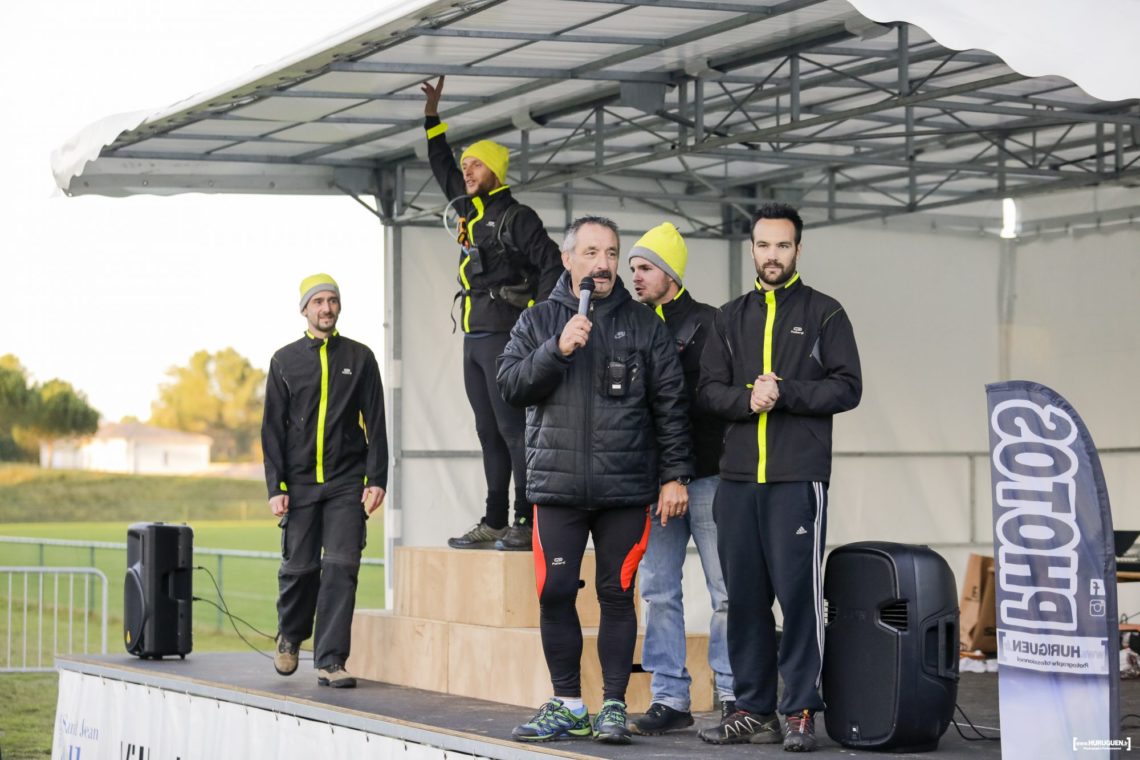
(664, 248)
(494, 156)
(314, 284)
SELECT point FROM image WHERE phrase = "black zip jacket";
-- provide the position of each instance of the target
(317, 393)
(584, 446)
(690, 322)
(531, 255)
(812, 351)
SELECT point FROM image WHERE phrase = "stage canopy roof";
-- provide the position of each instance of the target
(693, 107)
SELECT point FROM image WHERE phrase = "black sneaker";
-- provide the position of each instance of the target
(727, 707)
(286, 657)
(659, 719)
(609, 725)
(742, 727)
(481, 536)
(799, 732)
(518, 538)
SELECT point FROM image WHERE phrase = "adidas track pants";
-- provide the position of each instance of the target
(770, 538)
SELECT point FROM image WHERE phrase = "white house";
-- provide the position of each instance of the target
(130, 447)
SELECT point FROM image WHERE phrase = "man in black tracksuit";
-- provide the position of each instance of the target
(506, 263)
(782, 362)
(326, 467)
(607, 437)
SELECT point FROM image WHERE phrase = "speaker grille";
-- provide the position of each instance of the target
(895, 615)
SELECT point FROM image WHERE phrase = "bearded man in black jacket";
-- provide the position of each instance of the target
(782, 362)
(507, 262)
(607, 439)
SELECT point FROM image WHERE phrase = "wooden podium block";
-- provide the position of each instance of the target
(399, 650)
(508, 665)
(477, 587)
(498, 664)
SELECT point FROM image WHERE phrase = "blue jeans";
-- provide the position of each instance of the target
(660, 578)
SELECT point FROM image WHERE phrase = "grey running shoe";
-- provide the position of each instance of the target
(518, 539)
(742, 727)
(479, 537)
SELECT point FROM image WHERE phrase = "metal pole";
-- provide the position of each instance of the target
(683, 111)
(105, 620)
(599, 139)
(794, 95)
(698, 110)
(831, 195)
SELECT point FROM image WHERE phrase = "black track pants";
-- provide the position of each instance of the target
(770, 538)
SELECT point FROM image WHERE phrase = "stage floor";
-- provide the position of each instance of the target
(483, 728)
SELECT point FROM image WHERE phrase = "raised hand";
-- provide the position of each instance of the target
(431, 97)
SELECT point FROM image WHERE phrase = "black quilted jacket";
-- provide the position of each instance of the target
(584, 446)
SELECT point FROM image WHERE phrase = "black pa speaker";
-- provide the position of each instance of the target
(890, 664)
(158, 590)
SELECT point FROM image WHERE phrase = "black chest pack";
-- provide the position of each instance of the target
(500, 261)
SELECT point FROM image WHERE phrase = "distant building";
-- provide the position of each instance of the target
(130, 447)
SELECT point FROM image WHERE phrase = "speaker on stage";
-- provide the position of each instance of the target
(890, 665)
(157, 590)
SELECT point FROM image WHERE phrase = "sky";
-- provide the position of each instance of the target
(108, 294)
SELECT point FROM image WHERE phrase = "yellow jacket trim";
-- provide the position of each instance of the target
(437, 130)
(477, 202)
(762, 423)
(322, 410)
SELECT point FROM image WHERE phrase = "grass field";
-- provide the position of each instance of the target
(98, 507)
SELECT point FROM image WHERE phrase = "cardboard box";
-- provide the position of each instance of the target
(978, 611)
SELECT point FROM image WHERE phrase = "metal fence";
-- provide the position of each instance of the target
(215, 561)
(28, 604)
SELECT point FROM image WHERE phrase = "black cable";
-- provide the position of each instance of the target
(226, 608)
(980, 736)
(231, 617)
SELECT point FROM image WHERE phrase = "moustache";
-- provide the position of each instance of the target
(601, 274)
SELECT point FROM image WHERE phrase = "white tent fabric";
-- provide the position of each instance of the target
(70, 161)
(1091, 44)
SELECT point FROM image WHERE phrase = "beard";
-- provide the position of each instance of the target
(325, 322)
(778, 278)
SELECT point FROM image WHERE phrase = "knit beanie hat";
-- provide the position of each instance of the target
(314, 284)
(663, 247)
(494, 156)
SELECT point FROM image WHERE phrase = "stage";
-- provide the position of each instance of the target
(460, 726)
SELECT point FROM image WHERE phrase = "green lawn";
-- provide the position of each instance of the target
(249, 585)
(29, 494)
(85, 506)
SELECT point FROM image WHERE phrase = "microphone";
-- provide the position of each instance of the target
(585, 290)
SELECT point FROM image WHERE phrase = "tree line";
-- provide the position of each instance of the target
(218, 394)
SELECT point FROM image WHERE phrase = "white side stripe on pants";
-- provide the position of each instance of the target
(816, 580)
